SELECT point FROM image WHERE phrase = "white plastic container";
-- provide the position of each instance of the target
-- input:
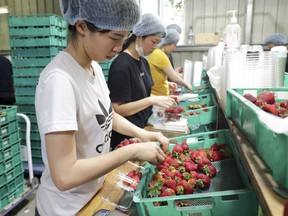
(232, 33)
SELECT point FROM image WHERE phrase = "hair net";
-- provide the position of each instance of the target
(172, 36)
(276, 38)
(176, 27)
(119, 15)
(149, 25)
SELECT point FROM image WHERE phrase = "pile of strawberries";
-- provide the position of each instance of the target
(174, 113)
(184, 170)
(127, 142)
(266, 101)
(132, 179)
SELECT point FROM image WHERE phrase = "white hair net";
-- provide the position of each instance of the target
(276, 38)
(150, 24)
(119, 15)
(176, 27)
(172, 36)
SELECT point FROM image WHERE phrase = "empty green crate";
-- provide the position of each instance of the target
(37, 31)
(38, 42)
(37, 160)
(27, 72)
(7, 114)
(11, 162)
(34, 135)
(10, 151)
(12, 196)
(8, 128)
(33, 143)
(11, 174)
(230, 192)
(25, 91)
(24, 99)
(272, 147)
(23, 108)
(9, 139)
(25, 81)
(36, 52)
(33, 126)
(31, 62)
(36, 20)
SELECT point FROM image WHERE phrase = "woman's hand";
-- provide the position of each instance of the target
(148, 136)
(148, 151)
(163, 101)
(189, 87)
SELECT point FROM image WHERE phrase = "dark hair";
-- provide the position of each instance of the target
(129, 40)
(92, 28)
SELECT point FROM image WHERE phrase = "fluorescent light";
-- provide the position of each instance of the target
(3, 9)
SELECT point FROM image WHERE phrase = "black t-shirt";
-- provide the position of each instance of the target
(6, 82)
(130, 80)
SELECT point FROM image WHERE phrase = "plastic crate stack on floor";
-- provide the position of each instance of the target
(12, 182)
(35, 40)
(105, 67)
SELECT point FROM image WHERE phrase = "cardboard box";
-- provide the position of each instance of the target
(210, 38)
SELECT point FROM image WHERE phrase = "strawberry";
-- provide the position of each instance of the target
(209, 170)
(185, 147)
(168, 192)
(131, 173)
(215, 147)
(217, 156)
(170, 183)
(250, 97)
(154, 188)
(203, 161)
(179, 190)
(265, 97)
(192, 181)
(284, 104)
(203, 181)
(188, 188)
(282, 112)
(194, 174)
(271, 108)
(285, 208)
(177, 149)
(168, 173)
(186, 176)
(190, 166)
(182, 182)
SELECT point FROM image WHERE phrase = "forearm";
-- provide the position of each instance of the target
(128, 109)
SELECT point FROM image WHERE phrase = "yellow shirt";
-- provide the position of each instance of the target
(158, 60)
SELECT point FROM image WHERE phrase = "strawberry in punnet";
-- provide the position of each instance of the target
(271, 108)
(177, 150)
(168, 192)
(250, 97)
(265, 97)
(131, 173)
(203, 181)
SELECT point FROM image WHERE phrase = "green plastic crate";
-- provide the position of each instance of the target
(36, 20)
(24, 108)
(34, 135)
(272, 147)
(7, 114)
(11, 185)
(37, 31)
(12, 196)
(25, 91)
(38, 42)
(10, 151)
(25, 81)
(26, 72)
(31, 61)
(29, 99)
(10, 163)
(11, 174)
(8, 140)
(201, 88)
(230, 194)
(8, 128)
(35, 52)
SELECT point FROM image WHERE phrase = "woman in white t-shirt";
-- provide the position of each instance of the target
(74, 112)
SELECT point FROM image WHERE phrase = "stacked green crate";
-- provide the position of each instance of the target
(35, 40)
(105, 67)
(12, 182)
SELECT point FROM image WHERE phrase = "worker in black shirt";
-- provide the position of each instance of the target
(6, 82)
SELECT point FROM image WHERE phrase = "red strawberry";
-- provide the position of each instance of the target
(154, 188)
(168, 173)
(217, 156)
(202, 162)
(285, 208)
(215, 147)
(190, 166)
(203, 105)
(203, 181)
(188, 188)
(170, 183)
(266, 97)
(282, 112)
(179, 189)
(194, 174)
(250, 97)
(182, 182)
(185, 146)
(168, 192)
(284, 104)
(131, 173)
(177, 149)
(186, 175)
(270, 108)
(209, 170)
(192, 181)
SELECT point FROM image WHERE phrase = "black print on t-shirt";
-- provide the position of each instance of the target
(104, 120)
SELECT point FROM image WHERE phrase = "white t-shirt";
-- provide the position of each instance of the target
(68, 98)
